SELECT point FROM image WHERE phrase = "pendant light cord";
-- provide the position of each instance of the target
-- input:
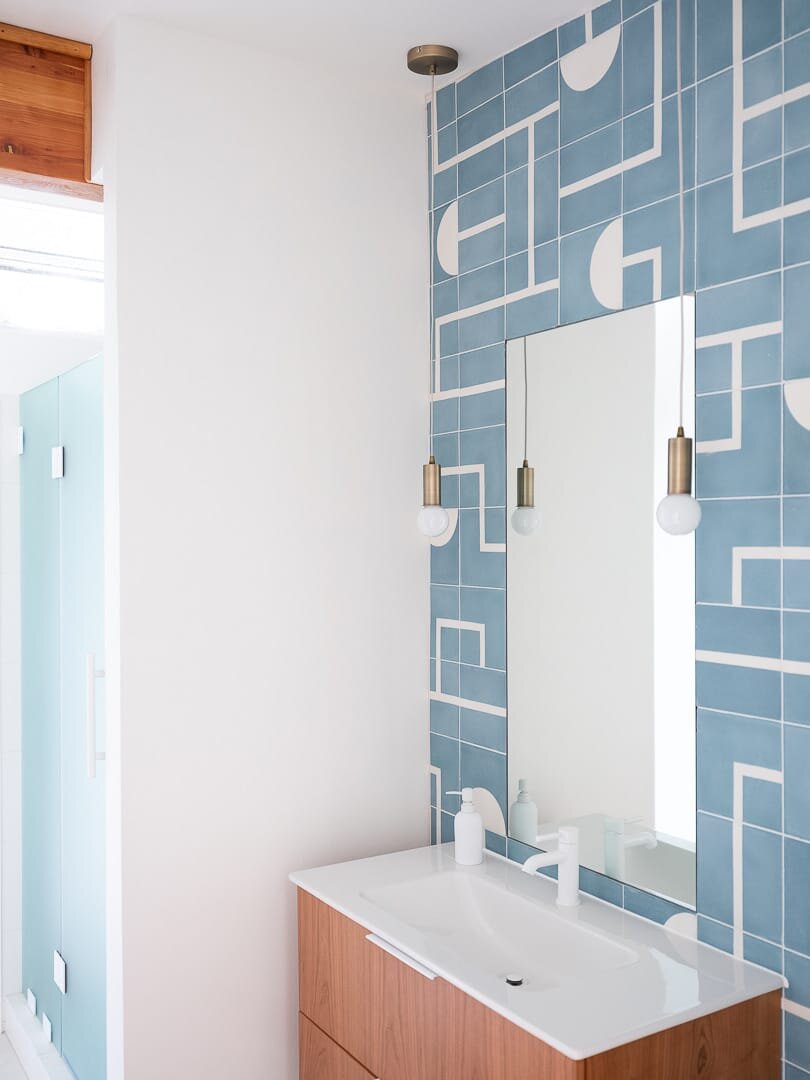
(525, 404)
(681, 212)
(434, 129)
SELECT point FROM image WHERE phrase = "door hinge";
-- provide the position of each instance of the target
(20, 441)
(59, 972)
(57, 462)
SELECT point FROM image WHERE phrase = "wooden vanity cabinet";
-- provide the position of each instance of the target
(366, 1013)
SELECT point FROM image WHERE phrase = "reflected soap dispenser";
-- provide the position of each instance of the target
(469, 831)
(523, 816)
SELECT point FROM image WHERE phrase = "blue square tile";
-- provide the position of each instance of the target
(716, 934)
(714, 881)
(529, 58)
(448, 339)
(484, 768)
(797, 636)
(486, 328)
(724, 255)
(715, 104)
(444, 562)
(482, 568)
(753, 469)
(479, 286)
(713, 420)
(531, 314)
(762, 188)
(649, 906)
(448, 143)
(714, 23)
(445, 297)
(741, 303)
(577, 300)
(762, 137)
(797, 699)
(481, 205)
(604, 888)
(639, 75)
(486, 447)
(517, 272)
(797, 124)
(762, 884)
(481, 250)
(796, 516)
(797, 176)
(482, 365)
(479, 87)
(762, 360)
(797, 1045)
(591, 155)
(546, 262)
(797, 777)
(797, 889)
(487, 606)
(797, 61)
(762, 77)
(797, 972)
(587, 110)
(726, 524)
(533, 94)
(571, 35)
(517, 149)
(761, 583)
(445, 374)
(517, 211)
(483, 685)
(444, 604)
(740, 690)
(796, 443)
(737, 630)
(482, 167)
(762, 25)
(638, 133)
(445, 186)
(446, 104)
(445, 415)
(797, 17)
(484, 729)
(444, 719)
(762, 803)
(797, 584)
(481, 124)
(547, 135)
(495, 843)
(482, 410)
(599, 202)
(722, 739)
(796, 330)
(546, 201)
(712, 368)
(605, 15)
(762, 953)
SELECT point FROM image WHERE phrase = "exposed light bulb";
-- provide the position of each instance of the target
(678, 514)
(433, 520)
(525, 519)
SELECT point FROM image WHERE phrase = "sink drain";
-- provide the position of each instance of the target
(514, 980)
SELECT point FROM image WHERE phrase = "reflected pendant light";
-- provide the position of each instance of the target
(525, 516)
(432, 519)
(678, 512)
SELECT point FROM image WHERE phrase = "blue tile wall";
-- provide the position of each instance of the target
(555, 180)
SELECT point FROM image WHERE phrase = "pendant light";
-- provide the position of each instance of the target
(432, 519)
(525, 516)
(678, 512)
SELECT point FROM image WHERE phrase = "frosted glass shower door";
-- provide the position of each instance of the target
(82, 636)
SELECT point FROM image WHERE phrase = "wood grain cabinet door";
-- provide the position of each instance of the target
(322, 1059)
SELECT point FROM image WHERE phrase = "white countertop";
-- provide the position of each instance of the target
(596, 977)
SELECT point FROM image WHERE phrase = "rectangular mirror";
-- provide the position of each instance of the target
(600, 600)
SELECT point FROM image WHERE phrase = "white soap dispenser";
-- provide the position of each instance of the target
(469, 831)
(523, 816)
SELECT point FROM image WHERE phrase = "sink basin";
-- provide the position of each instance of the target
(505, 934)
(591, 977)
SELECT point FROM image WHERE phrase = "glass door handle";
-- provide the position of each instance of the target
(91, 674)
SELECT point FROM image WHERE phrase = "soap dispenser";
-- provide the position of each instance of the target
(469, 831)
(523, 816)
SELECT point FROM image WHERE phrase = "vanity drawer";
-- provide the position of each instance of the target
(322, 1059)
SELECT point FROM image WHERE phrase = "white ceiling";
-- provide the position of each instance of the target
(31, 357)
(374, 33)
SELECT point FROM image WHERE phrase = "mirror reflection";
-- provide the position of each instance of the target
(600, 602)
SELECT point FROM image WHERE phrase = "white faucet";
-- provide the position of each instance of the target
(566, 857)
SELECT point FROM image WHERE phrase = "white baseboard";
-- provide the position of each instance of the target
(38, 1057)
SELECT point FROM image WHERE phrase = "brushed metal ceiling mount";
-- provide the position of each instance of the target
(432, 59)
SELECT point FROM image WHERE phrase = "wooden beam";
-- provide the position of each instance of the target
(33, 38)
(76, 188)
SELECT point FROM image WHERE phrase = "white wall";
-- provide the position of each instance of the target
(266, 380)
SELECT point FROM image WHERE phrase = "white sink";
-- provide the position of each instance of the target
(594, 976)
(504, 934)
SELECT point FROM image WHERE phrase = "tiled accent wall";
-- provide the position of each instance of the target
(555, 198)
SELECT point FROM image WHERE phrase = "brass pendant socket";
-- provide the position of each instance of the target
(525, 485)
(679, 477)
(432, 59)
(431, 483)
